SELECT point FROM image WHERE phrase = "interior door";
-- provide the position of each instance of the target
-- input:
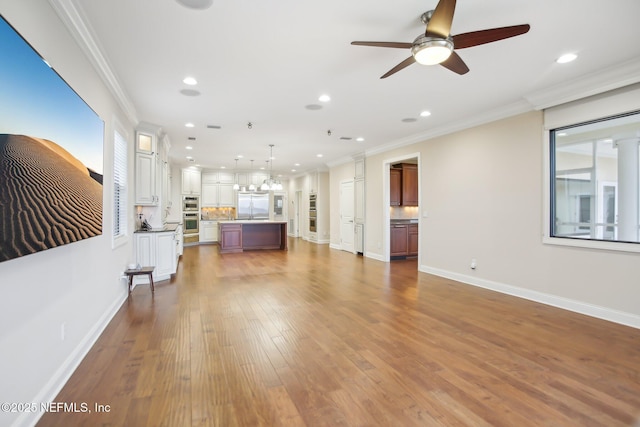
(347, 229)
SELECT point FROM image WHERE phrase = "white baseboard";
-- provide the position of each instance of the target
(373, 255)
(621, 317)
(51, 389)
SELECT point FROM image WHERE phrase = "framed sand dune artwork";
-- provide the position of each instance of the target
(51, 155)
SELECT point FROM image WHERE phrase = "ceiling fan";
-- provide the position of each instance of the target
(436, 45)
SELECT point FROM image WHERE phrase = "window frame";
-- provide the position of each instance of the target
(122, 237)
(550, 195)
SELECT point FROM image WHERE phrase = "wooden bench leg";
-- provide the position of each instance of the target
(130, 282)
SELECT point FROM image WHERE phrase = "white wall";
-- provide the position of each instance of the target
(77, 285)
(482, 192)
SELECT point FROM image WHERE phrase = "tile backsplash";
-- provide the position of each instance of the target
(403, 212)
(218, 213)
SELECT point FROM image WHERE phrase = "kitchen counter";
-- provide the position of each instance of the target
(170, 226)
(404, 221)
(251, 221)
(242, 235)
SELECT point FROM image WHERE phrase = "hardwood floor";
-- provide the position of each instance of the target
(320, 337)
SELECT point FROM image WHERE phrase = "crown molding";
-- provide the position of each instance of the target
(72, 17)
(499, 113)
(615, 77)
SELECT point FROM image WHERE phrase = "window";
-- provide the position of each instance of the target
(595, 180)
(119, 188)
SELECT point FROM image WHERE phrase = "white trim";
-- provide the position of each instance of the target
(621, 317)
(51, 389)
(377, 257)
(620, 75)
(386, 200)
(592, 244)
(605, 105)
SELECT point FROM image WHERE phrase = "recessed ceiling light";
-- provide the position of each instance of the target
(566, 58)
(297, 164)
(190, 92)
(293, 170)
(196, 4)
(324, 98)
(190, 81)
(318, 155)
(189, 125)
(425, 113)
(239, 156)
(359, 139)
(189, 158)
(188, 147)
(223, 167)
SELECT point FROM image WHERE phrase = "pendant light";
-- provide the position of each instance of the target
(236, 186)
(251, 186)
(271, 183)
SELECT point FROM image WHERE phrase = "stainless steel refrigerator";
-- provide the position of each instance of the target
(253, 206)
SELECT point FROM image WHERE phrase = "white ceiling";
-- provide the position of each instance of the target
(264, 61)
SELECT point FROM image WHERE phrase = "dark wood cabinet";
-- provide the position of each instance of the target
(403, 240)
(409, 185)
(399, 242)
(403, 185)
(395, 187)
(230, 237)
(412, 236)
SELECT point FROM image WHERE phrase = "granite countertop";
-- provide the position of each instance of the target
(404, 221)
(170, 226)
(251, 221)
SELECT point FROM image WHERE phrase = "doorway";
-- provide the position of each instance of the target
(386, 201)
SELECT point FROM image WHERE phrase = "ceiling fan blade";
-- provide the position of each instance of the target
(476, 38)
(440, 23)
(410, 60)
(455, 64)
(384, 44)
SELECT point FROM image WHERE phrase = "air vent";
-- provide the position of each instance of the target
(191, 160)
(213, 127)
(192, 138)
(346, 138)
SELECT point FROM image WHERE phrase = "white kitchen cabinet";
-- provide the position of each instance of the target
(160, 250)
(208, 231)
(146, 141)
(226, 196)
(145, 180)
(217, 195)
(210, 195)
(191, 181)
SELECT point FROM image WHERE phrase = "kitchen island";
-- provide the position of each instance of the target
(244, 235)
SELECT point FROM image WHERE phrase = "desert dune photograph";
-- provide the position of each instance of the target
(48, 198)
(51, 155)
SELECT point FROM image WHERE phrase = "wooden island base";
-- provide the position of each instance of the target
(239, 236)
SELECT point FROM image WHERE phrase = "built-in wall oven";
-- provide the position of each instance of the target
(190, 204)
(313, 213)
(191, 222)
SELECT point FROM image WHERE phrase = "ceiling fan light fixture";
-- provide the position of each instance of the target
(431, 51)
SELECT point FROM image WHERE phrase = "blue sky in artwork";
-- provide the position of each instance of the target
(36, 101)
